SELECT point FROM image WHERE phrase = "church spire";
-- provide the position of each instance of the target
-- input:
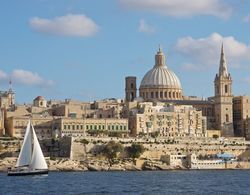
(223, 63)
(160, 58)
(10, 85)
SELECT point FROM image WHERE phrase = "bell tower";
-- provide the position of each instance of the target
(223, 98)
(130, 88)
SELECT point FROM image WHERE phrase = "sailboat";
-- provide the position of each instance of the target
(30, 160)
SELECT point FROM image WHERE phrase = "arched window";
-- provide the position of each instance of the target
(227, 118)
(166, 94)
(152, 94)
(226, 88)
(131, 85)
(169, 94)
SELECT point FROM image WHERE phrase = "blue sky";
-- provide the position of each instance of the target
(83, 49)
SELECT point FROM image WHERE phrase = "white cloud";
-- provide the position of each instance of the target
(25, 77)
(246, 18)
(69, 25)
(206, 51)
(191, 67)
(145, 27)
(3, 76)
(181, 8)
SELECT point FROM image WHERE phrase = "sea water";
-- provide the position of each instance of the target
(144, 182)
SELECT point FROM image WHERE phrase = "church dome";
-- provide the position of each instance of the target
(161, 77)
(160, 82)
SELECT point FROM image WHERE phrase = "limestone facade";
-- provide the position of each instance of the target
(40, 101)
(160, 83)
(16, 126)
(168, 120)
(81, 127)
(223, 99)
(241, 112)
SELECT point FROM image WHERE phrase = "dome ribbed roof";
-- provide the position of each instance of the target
(161, 77)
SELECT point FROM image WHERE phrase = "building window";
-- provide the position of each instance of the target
(65, 126)
(68, 126)
(152, 94)
(169, 94)
(166, 94)
(226, 88)
(132, 86)
(156, 94)
(227, 118)
(161, 94)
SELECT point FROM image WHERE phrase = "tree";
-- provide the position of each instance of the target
(84, 141)
(215, 136)
(155, 134)
(135, 150)
(111, 150)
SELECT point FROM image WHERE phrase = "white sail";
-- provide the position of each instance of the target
(24, 157)
(38, 160)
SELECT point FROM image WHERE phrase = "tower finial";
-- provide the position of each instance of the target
(10, 85)
(160, 49)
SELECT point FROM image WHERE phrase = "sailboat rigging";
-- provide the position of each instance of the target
(30, 160)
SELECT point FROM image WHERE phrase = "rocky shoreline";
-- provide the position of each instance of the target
(64, 164)
(67, 165)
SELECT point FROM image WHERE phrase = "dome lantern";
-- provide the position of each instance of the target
(160, 60)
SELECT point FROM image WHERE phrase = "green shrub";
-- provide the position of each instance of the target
(111, 150)
(135, 150)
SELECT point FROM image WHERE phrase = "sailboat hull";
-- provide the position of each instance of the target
(27, 172)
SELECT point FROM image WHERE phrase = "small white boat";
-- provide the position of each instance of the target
(30, 160)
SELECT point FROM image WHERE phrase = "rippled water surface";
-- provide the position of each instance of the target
(157, 182)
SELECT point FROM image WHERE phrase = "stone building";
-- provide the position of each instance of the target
(223, 99)
(81, 127)
(160, 84)
(16, 126)
(241, 112)
(40, 101)
(167, 120)
(7, 98)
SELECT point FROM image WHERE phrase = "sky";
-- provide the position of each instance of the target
(83, 50)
